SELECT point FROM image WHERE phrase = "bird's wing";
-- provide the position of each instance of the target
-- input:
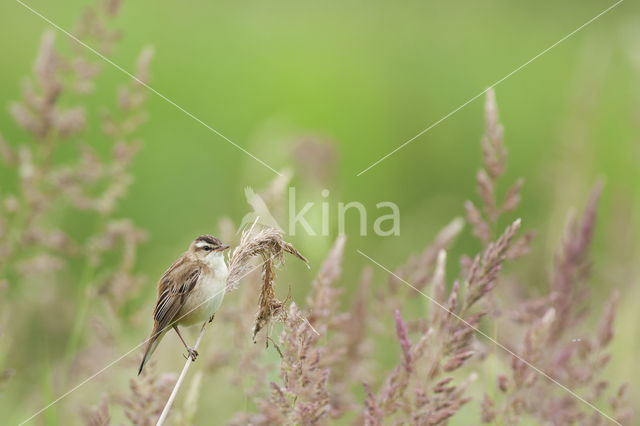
(173, 289)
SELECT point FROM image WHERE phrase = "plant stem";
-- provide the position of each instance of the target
(82, 300)
(83, 306)
(176, 388)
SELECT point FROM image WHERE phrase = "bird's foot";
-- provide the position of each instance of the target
(192, 354)
(212, 317)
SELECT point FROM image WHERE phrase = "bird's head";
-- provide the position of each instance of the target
(206, 245)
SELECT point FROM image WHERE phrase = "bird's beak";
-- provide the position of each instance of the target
(224, 247)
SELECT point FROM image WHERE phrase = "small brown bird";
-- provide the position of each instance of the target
(189, 292)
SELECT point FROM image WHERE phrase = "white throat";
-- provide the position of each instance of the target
(215, 261)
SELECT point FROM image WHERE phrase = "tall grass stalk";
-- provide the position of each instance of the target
(183, 374)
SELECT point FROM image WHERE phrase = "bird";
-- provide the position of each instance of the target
(189, 292)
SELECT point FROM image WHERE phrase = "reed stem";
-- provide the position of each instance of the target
(176, 388)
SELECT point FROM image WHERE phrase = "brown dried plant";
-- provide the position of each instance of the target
(268, 244)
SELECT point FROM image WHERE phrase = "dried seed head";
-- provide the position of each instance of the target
(271, 247)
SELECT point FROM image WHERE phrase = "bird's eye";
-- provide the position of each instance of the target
(208, 248)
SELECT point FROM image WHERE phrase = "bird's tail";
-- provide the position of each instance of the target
(152, 344)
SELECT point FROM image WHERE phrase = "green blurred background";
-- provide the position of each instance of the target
(367, 76)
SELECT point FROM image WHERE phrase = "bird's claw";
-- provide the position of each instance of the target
(191, 354)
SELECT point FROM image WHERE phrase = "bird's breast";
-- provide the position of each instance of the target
(206, 297)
